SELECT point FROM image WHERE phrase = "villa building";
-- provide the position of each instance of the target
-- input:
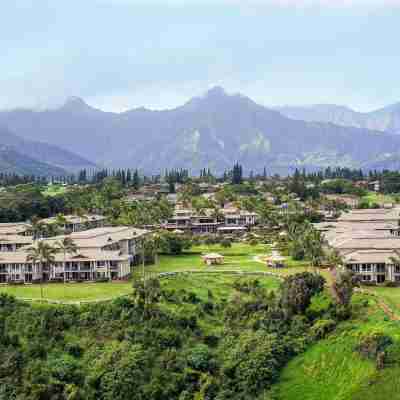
(102, 253)
(228, 220)
(85, 265)
(374, 266)
(76, 223)
(368, 241)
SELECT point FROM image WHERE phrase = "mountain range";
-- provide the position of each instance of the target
(385, 119)
(214, 130)
(26, 157)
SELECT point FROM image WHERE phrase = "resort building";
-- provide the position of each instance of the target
(15, 228)
(227, 220)
(14, 242)
(368, 241)
(83, 266)
(374, 266)
(102, 253)
(75, 223)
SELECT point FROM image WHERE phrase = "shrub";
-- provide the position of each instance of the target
(372, 345)
(297, 291)
(321, 328)
(200, 358)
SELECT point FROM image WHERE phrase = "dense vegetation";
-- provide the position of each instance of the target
(161, 343)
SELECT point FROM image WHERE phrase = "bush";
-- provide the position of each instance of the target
(321, 328)
(200, 358)
(297, 291)
(372, 345)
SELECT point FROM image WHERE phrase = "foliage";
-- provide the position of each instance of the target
(155, 344)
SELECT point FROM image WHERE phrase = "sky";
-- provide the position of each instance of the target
(121, 54)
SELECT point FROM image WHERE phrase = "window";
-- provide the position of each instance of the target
(366, 268)
(380, 268)
(366, 278)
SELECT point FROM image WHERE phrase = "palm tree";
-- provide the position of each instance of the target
(38, 228)
(61, 221)
(41, 254)
(67, 246)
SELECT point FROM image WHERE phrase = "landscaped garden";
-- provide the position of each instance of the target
(240, 258)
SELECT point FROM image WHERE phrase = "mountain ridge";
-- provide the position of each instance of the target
(49, 158)
(214, 130)
(385, 119)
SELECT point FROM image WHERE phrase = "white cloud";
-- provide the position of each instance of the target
(251, 3)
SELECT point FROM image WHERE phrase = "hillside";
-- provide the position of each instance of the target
(28, 156)
(13, 162)
(214, 130)
(332, 369)
(385, 119)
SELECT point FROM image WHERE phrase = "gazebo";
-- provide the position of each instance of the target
(275, 260)
(213, 258)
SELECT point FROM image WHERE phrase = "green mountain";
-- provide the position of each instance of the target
(386, 119)
(214, 131)
(11, 161)
(30, 157)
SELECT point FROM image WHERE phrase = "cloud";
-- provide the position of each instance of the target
(268, 3)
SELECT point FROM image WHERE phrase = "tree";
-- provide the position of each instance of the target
(67, 246)
(41, 254)
(38, 228)
(297, 291)
(343, 287)
(237, 174)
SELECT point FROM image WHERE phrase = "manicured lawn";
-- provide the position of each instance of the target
(54, 190)
(70, 291)
(240, 257)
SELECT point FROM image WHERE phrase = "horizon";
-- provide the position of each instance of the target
(159, 54)
(228, 93)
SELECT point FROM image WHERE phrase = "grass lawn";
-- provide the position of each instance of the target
(390, 295)
(373, 197)
(333, 370)
(221, 286)
(240, 257)
(54, 190)
(70, 291)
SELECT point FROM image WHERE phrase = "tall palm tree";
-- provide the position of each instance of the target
(38, 228)
(61, 221)
(67, 246)
(41, 254)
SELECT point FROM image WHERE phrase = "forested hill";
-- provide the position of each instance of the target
(386, 119)
(213, 131)
(29, 157)
(14, 162)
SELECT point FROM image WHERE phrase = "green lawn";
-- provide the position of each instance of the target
(70, 291)
(240, 257)
(378, 198)
(221, 285)
(54, 190)
(332, 369)
(390, 295)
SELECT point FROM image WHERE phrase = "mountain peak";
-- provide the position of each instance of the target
(216, 91)
(75, 104)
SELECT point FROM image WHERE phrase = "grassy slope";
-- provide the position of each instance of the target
(332, 370)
